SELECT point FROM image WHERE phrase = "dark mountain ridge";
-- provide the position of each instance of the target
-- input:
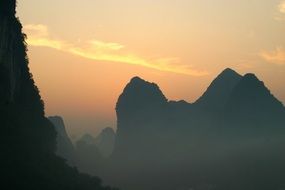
(231, 138)
(236, 117)
(219, 90)
(28, 137)
(252, 106)
(136, 115)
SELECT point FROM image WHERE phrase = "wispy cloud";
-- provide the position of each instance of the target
(38, 35)
(37, 30)
(280, 16)
(282, 7)
(276, 56)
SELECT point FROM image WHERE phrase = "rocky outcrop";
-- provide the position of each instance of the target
(141, 111)
(64, 146)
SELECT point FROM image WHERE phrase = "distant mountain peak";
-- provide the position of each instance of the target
(251, 76)
(58, 122)
(137, 79)
(65, 147)
(250, 87)
(105, 141)
(219, 90)
(251, 91)
(56, 117)
(250, 81)
(252, 99)
(228, 72)
(108, 130)
(88, 139)
(140, 93)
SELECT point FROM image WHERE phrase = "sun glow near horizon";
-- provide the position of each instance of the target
(38, 36)
(97, 46)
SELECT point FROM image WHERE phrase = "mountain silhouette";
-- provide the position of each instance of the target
(90, 158)
(140, 106)
(64, 146)
(28, 137)
(212, 142)
(87, 139)
(232, 138)
(219, 91)
(251, 105)
(105, 141)
(94, 153)
(139, 95)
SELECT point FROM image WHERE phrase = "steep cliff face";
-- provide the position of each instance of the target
(13, 61)
(141, 110)
(28, 139)
(139, 96)
(8, 7)
(28, 135)
(22, 109)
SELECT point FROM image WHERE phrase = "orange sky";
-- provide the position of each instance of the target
(82, 53)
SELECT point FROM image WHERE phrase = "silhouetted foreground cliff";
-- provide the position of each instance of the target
(233, 137)
(28, 138)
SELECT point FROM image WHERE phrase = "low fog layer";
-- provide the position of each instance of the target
(232, 137)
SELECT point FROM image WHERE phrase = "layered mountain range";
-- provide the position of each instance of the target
(231, 138)
(28, 138)
(235, 123)
(90, 154)
(93, 152)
